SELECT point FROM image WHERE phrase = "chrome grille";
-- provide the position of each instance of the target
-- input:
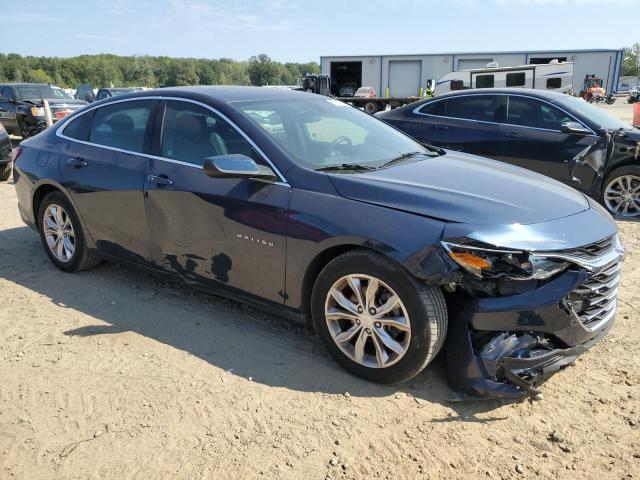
(594, 301)
(593, 250)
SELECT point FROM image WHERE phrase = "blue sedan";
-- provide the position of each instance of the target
(315, 210)
(551, 133)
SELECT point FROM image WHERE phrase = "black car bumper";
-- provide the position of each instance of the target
(558, 337)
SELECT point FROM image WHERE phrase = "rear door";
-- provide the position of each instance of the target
(103, 167)
(466, 123)
(222, 231)
(532, 138)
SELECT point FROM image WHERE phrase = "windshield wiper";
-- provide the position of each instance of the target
(404, 156)
(432, 148)
(356, 167)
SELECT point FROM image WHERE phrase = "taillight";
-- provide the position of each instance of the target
(16, 153)
(2, 129)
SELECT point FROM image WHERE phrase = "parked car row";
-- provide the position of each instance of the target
(88, 94)
(557, 135)
(307, 207)
(21, 109)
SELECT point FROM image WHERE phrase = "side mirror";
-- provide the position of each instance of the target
(574, 128)
(236, 166)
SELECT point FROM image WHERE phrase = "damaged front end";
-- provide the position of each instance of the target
(517, 317)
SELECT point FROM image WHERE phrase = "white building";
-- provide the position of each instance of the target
(404, 75)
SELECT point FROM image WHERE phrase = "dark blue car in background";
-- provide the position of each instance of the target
(551, 133)
(313, 209)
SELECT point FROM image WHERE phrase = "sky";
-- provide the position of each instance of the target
(301, 31)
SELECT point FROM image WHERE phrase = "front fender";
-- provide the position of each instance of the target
(320, 222)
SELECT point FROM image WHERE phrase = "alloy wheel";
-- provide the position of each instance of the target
(59, 233)
(367, 320)
(622, 196)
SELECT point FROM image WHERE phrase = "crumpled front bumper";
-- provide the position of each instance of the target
(541, 312)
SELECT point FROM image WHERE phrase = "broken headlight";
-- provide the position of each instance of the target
(487, 262)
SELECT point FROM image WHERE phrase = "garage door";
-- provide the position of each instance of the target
(404, 78)
(469, 63)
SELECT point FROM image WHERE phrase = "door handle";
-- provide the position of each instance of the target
(159, 180)
(512, 135)
(76, 162)
(442, 127)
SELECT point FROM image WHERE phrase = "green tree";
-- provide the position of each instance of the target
(263, 71)
(631, 60)
(38, 76)
(183, 72)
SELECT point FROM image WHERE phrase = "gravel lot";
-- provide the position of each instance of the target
(112, 374)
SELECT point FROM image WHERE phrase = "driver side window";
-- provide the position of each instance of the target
(191, 133)
(528, 112)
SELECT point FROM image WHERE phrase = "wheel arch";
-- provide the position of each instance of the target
(49, 186)
(327, 255)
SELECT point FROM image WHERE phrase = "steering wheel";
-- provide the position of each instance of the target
(340, 141)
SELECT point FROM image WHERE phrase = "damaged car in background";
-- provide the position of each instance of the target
(548, 132)
(312, 209)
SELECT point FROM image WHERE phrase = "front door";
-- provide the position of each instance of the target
(104, 172)
(222, 231)
(532, 138)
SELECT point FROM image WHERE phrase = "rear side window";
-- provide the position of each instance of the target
(121, 125)
(79, 127)
(554, 82)
(433, 108)
(515, 79)
(472, 107)
(457, 85)
(484, 81)
(191, 133)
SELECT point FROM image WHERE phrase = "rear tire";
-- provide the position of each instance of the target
(62, 235)
(421, 308)
(5, 172)
(372, 107)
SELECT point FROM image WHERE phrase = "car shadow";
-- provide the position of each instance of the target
(234, 337)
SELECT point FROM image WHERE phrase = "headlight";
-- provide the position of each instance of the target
(37, 112)
(493, 263)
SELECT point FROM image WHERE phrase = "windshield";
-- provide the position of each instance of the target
(33, 92)
(322, 133)
(595, 114)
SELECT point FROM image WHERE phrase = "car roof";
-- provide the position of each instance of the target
(530, 92)
(229, 94)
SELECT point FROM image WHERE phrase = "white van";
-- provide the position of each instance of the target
(554, 76)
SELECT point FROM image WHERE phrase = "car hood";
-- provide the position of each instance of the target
(464, 188)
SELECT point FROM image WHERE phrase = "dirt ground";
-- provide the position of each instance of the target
(111, 374)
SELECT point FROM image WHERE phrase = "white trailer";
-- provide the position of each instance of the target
(556, 76)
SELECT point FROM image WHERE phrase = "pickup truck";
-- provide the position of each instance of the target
(21, 107)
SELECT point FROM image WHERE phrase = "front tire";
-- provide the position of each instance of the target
(5, 172)
(23, 128)
(375, 319)
(62, 235)
(621, 192)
